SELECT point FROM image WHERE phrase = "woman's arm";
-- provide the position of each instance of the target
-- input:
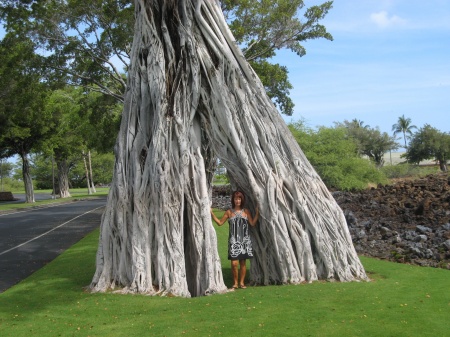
(252, 220)
(224, 218)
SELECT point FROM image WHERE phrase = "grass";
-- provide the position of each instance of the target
(401, 300)
(409, 171)
(77, 193)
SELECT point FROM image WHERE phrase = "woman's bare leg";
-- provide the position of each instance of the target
(243, 270)
(234, 271)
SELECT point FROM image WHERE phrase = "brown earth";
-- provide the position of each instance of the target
(407, 221)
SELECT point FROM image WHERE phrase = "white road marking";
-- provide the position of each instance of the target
(51, 230)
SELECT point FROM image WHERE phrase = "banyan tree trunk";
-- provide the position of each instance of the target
(190, 96)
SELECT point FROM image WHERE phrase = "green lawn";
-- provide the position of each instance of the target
(401, 300)
(76, 193)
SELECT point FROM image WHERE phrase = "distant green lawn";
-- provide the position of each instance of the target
(76, 193)
(401, 300)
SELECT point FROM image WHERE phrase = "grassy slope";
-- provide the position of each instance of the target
(401, 300)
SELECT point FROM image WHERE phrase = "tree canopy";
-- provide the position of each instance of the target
(88, 43)
(22, 97)
(25, 123)
(336, 158)
(84, 43)
(84, 121)
(404, 127)
(370, 141)
(102, 165)
(261, 28)
(429, 143)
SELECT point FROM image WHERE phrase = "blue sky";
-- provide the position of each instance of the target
(389, 58)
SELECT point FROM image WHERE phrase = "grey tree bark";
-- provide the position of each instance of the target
(86, 171)
(191, 96)
(28, 182)
(91, 176)
(63, 178)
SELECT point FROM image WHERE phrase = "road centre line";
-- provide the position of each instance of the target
(51, 230)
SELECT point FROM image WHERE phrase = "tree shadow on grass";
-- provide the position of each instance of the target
(59, 283)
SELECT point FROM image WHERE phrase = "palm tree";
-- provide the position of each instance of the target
(358, 123)
(404, 126)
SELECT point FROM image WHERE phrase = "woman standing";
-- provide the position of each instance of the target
(239, 242)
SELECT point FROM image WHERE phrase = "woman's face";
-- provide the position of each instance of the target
(237, 201)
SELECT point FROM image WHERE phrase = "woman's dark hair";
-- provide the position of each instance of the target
(240, 195)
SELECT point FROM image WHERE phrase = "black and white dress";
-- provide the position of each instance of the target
(239, 243)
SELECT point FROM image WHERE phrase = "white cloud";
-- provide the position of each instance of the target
(383, 20)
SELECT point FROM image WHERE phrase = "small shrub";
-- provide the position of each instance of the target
(335, 157)
(221, 179)
(9, 184)
(407, 170)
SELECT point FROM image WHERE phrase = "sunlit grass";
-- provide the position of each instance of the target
(401, 300)
(76, 194)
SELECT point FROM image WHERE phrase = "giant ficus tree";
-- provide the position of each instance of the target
(191, 95)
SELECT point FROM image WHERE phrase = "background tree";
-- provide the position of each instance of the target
(374, 144)
(102, 167)
(263, 27)
(41, 171)
(65, 143)
(25, 122)
(371, 142)
(88, 44)
(98, 121)
(14, 181)
(404, 127)
(335, 157)
(101, 117)
(357, 123)
(85, 121)
(429, 143)
(191, 96)
(6, 169)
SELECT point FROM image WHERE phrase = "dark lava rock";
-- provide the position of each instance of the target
(407, 222)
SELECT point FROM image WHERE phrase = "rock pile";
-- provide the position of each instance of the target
(6, 196)
(408, 221)
(221, 197)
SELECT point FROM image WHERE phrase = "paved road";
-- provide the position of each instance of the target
(29, 239)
